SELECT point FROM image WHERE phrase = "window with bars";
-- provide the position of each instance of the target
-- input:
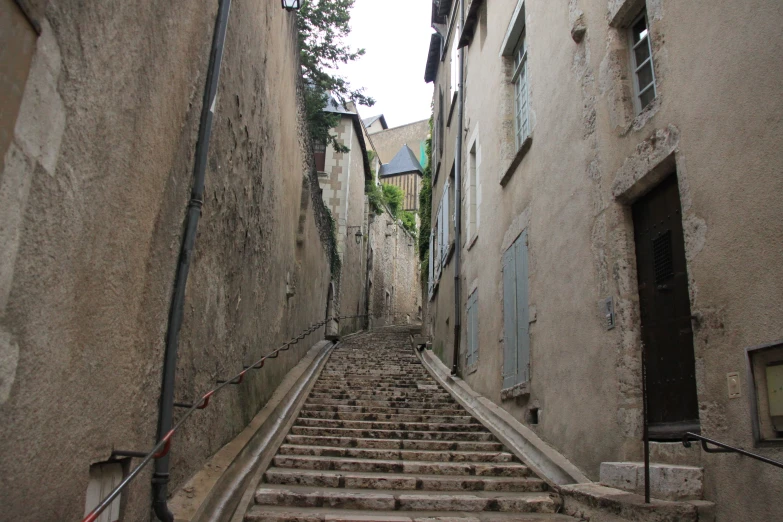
(642, 63)
(521, 102)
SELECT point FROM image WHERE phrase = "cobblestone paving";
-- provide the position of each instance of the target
(379, 440)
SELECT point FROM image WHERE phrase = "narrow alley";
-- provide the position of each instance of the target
(391, 261)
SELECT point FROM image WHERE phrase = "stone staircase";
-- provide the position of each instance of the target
(379, 440)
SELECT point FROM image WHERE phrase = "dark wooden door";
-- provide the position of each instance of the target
(666, 313)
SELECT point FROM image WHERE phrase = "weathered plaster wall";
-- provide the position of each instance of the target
(353, 282)
(389, 142)
(591, 157)
(395, 293)
(93, 192)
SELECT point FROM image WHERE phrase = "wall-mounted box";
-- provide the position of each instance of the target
(765, 380)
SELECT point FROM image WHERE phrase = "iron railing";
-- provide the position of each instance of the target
(161, 449)
(724, 448)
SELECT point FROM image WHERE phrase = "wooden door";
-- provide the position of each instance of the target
(665, 313)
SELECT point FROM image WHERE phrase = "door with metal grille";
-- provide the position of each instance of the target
(665, 313)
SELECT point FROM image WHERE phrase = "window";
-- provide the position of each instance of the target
(454, 62)
(516, 316)
(642, 63)
(319, 154)
(472, 323)
(440, 123)
(521, 105)
(474, 197)
(104, 477)
(439, 239)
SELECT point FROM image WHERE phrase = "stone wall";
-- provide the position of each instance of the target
(93, 192)
(389, 142)
(395, 293)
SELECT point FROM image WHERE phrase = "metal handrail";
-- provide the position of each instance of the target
(163, 446)
(724, 448)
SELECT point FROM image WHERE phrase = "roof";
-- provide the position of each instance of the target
(444, 7)
(471, 19)
(404, 162)
(372, 119)
(333, 105)
(433, 57)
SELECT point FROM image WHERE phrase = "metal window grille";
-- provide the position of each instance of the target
(662, 257)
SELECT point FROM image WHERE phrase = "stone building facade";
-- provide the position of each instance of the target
(616, 166)
(342, 180)
(393, 276)
(388, 142)
(96, 174)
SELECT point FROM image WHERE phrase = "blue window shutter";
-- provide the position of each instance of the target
(510, 365)
(445, 219)
(523, 313)
(472, 323)
(431, 279)
(474, 336)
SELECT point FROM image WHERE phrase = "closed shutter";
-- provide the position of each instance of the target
(444, 218)
(523, 314)
(472, 320)
(431, 279)
(510, 366)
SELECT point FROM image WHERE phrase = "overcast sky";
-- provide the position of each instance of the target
(396, 36)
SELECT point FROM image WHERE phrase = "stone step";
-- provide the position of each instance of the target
(413, 395)
(389, 404)
(399, 481)
(382, 425)
(453, 409)
(301, 496)
(403, 444)
(393, 434)
(388, 417)
(479, 469)
(320, 514)
(397, 454)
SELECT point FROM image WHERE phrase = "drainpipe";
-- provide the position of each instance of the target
(160, 477)
(458, 200)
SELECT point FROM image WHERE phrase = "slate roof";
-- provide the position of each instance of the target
(404, 162)
(333, 105)
(372, 119)
(433, 57)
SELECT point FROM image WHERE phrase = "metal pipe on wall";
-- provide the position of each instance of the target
(458, 199)
(160, 477)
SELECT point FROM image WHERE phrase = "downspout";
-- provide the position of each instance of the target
(458, 199)
(160, 477)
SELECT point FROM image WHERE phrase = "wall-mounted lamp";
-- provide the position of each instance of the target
(359, 235)
(292, 5)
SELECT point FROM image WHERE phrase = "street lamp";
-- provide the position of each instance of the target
(359, 235)
(292, 5)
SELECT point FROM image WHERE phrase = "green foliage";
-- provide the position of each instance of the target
(323, 26)
(425, 210)
(394, 197)
(408, 219)
(375, 195)
(336, 263)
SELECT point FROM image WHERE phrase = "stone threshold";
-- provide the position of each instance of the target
(219, 490)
